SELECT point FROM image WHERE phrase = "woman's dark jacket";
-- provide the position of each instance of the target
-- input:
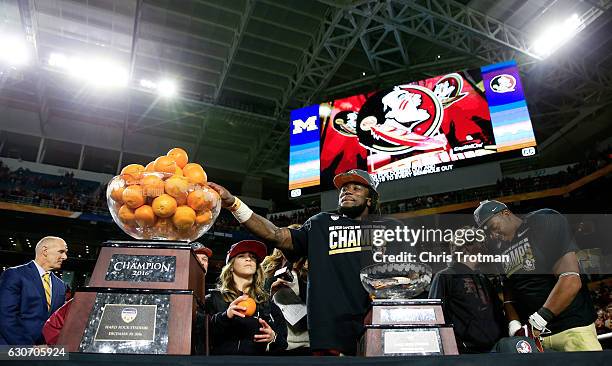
(235, 336)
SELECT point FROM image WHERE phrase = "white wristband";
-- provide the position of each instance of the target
(513, 327)
(243, 212)
(537, 321)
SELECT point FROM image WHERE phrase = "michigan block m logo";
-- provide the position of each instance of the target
(309, 125)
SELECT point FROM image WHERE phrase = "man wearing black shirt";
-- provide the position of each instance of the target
(469, 301)
(542, 284)
(338, 246)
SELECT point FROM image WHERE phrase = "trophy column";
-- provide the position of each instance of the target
(142, 298)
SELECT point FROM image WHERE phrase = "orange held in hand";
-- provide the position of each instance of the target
(250, 306)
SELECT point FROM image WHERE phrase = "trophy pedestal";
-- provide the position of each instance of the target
(142, 298)
(404, 327)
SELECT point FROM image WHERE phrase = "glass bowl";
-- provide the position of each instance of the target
(395, 280)
(161, 206)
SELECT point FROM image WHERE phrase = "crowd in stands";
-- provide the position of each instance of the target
(602, 298)
(294, 217)
(504, 187)
(61, 192)
(69, 193)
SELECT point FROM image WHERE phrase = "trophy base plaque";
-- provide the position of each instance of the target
(407, 327)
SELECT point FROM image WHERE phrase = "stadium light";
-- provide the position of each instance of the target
(106, 73)
(148, 84)
(166, 88)
(557, 35)
(14, 51)
(325, 110)
(99, 72)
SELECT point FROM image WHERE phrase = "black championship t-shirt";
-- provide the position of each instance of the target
(542, 239)
(337, 248)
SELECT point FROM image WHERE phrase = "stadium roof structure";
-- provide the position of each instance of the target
(241, 65)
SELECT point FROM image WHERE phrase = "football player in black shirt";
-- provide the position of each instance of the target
(338, 245)
(543, 288)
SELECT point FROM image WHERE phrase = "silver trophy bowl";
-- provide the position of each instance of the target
(395, 280)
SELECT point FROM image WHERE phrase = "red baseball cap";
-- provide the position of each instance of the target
(244, 246)
(198, 247)
(357, 176)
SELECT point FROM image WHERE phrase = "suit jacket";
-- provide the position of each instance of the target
(23, 306)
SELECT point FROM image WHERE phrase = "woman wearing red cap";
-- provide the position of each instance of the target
(233, 332)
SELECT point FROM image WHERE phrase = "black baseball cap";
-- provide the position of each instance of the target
(355, 176)
(515, 345)
(252, 246)
(486, 210)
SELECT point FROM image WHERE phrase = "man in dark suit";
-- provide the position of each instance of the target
(30, 293)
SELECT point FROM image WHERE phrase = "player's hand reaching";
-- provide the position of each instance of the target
(227, 199)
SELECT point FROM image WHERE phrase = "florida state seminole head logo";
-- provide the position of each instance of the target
(503, 83)
(401, 120)
(449, 89)
(523, 346)
(345, 123)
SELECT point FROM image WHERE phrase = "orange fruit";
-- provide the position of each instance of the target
(195, 173)
(181, 200)
(177, 186)
(132, 196)
(165, 164)
(144, 216)
(150, 168)
(250, 306)
(198, 200)
(116, 194)
(203, 218)
(184, 217)
(126, 215)
(178, 171)
(180, 156)
(164, 205)
(132, 173)
(152, 186)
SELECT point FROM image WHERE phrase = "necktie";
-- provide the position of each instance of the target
(47, 286)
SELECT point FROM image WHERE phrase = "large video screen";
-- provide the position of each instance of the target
(423, 127)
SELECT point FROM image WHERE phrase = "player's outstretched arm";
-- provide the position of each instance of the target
(256, 224)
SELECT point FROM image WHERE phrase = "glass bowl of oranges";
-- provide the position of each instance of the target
(169, 199)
